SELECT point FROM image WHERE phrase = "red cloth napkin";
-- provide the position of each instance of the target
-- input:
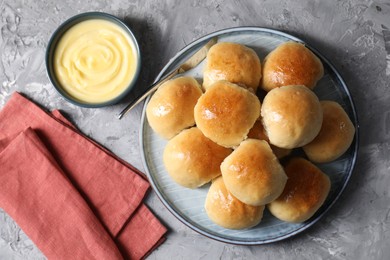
(71, 196)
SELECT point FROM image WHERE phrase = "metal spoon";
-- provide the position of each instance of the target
(190, 63)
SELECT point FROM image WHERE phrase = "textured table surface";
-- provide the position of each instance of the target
(355, 35)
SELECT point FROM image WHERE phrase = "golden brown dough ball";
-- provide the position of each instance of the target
(226, 113)
(192, 159)
(171, 108)
(253, 174)
(233, 62)
(306, 190)
(227, 211)
(335, 137)
(292, 116)
(258, 132)
(291, 63)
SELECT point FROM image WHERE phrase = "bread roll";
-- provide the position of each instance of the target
(227, 211)
(192, 160)
(233, 62)
(253, 174)
(335, 137)
(306, 190)
(171, 108)
(292, 116)
(291, 63)
(226, 113)
(258, 132)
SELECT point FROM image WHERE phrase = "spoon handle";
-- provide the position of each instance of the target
(150, 90)
(190, 63)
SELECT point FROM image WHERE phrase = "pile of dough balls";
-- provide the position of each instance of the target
(221, 132)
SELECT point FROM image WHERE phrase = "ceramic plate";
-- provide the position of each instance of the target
(188, 205)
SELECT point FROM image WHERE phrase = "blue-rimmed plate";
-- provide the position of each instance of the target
(188, 205)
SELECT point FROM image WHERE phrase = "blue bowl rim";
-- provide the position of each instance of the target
(56, 36)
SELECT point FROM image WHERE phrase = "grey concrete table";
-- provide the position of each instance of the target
(355, 35)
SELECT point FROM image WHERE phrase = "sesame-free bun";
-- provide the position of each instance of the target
(171, 108)
(291, 63)
(227, 211)
(192, 159)
(306, 190)
(335, 137)
(226, 113)
(258, 132)
(292, 116)
(233, 62)
(253, 174)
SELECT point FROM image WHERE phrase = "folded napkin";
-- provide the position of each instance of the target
(72, 197)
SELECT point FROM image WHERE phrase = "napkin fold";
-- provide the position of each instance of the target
(70, 195)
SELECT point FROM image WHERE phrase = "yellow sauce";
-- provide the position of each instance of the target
(95, 61)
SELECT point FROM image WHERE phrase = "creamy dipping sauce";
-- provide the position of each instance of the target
(95, 61)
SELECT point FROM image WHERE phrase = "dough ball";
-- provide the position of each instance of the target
(233, 62)
(171, 108)
(192, 159)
